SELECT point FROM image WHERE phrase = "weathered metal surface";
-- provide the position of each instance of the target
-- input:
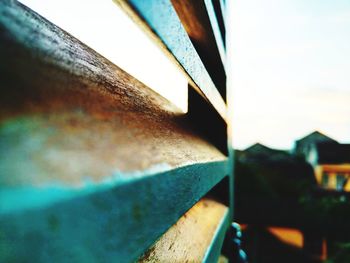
(80, 105)
(220, 11)
(106, 223)
(214, 250)
(196, 19)
(159, 18)
(192, 237)
(214, 21)
(93, 164)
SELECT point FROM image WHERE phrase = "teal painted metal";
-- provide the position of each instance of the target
(43, 215)
(215, 26)
(213, 252)
(161, 16)
(223, 11)
(118, 222)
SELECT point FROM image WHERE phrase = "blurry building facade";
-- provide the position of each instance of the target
(288, 201)
(329, 159)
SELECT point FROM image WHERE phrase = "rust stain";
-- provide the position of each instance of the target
(188, 239)
(76, 117)
(148, 255)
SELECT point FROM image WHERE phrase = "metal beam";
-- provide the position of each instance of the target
(194, 238)
(197, 21)
(159, 18)
(93, 164)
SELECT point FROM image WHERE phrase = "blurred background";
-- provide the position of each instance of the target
(291, 83)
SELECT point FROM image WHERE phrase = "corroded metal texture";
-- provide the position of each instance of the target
(62, 103)
(93, 164)
(200, 23)
(102, 223)
(192, 236)
(160, 20)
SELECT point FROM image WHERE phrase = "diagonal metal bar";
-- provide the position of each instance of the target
(161, 20)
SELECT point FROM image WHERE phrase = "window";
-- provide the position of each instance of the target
(325, 179)
(341, 181)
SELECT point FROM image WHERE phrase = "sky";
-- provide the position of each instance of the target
(103, 26)
(290, 62)
(291, 70)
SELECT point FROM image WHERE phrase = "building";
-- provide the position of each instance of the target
(329, 159)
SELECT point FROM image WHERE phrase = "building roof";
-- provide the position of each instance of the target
(314, 137)
(265, 174)
(259, 148)
(303, 145)
(333, 153)
(259, 152)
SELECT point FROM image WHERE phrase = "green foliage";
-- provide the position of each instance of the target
(273, 176)
(342, 255)
(276, 188)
